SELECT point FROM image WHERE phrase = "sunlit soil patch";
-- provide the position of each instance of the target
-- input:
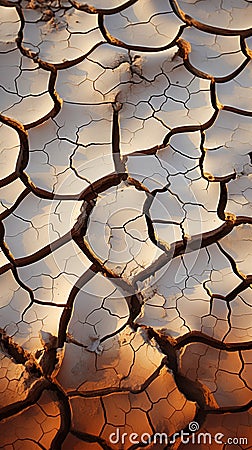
(125, 224)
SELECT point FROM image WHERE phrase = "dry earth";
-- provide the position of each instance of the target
(125, 223)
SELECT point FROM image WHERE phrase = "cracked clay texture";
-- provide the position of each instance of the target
(125, 223)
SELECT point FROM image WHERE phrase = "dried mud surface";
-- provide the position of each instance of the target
(125, 222)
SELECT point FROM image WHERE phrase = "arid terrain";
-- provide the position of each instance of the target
(126, 224)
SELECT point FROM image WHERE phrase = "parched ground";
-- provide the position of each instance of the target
(125, 224)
